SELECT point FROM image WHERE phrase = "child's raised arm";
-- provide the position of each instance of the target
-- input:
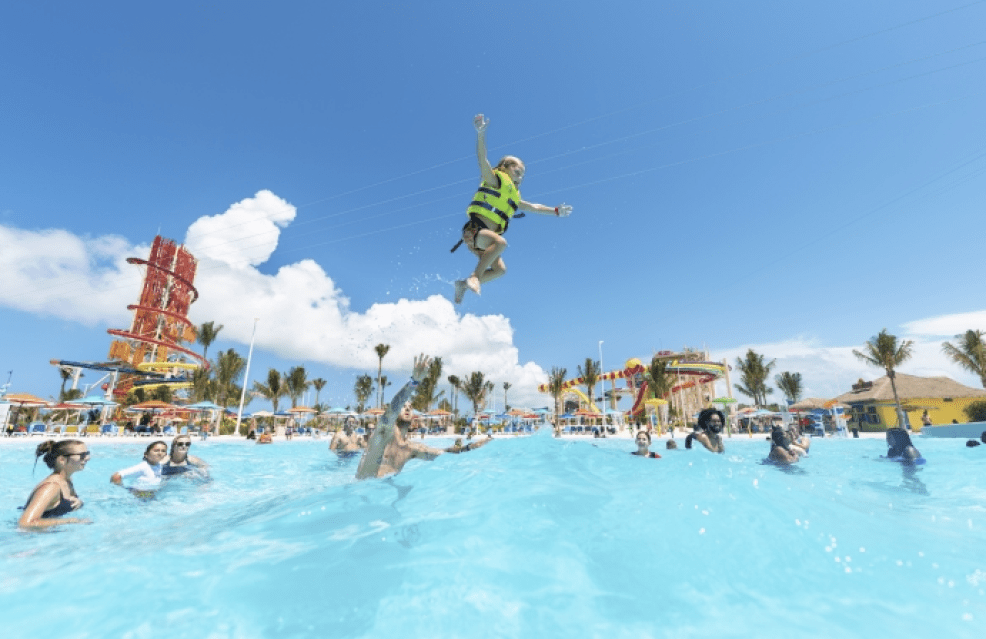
(485, 169)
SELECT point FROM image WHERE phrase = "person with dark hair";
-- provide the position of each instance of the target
(900, 447)
(388, 448)
(643, 445)
(708, 431)
(55, 496)
(145, 476)
(781, 450)
(671, 445)
(180, 462)
(344, 443)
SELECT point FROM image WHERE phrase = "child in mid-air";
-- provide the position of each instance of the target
(496, 201)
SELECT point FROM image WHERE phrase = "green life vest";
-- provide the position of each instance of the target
(496, 205)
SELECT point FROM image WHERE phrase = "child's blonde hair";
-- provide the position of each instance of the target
(510, 160)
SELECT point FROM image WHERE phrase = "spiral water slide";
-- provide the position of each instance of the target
(631, 368)
(693, 373)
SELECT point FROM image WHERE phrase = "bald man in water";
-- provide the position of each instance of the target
(389, 449)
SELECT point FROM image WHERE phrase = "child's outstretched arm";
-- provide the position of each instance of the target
(485, 169)
(562, 210)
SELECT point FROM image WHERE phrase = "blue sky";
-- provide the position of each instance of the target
(775, 175)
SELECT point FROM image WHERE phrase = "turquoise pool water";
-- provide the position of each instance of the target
(527, 537)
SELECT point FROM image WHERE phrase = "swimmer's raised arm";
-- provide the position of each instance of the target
(485, 169)
(383, 434)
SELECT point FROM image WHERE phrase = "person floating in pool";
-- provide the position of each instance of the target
(144, 478)
(900, 447)
(972, 443)
(490, 212)
(781, 449)
(180, 462)
(55, 496)
(344, 442)
(708, 431)
(388, 448)
(800, 443)
(643, 445)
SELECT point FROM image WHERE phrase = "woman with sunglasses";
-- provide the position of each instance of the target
(180, 461)
(55, 496)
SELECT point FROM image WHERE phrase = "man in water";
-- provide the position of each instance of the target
(388, 448)
(344, 443)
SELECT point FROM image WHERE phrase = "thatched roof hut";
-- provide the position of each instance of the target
(910, 387)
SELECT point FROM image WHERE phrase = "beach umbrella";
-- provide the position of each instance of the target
(301, 409)
(203, 406)
(93, 400)
(263, 413)
(25, 399)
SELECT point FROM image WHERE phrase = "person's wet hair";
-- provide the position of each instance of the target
(779, 437)
(898, 440)
(706, 415)
(50, 450)
(152, 445)
(671, 445)
(972, 443)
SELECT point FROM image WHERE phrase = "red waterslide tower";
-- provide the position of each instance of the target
(160, 321)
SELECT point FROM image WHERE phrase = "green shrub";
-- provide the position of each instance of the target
(976, 411)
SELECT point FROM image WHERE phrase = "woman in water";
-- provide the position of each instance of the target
(781, 451)
(708, 431)
(489, 214)
(900, 447)
(643, 445)
(145, 476)
(180, 461)
(55, 495)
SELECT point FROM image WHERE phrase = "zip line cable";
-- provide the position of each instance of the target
(294, 226)
(515, 143)
(624, 138)
(221, 264)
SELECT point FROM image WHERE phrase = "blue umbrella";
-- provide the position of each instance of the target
(204, 406)
(93, 400)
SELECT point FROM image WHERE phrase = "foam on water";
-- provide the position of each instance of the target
(525, 537)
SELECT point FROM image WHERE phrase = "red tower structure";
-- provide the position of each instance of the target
(160, 320)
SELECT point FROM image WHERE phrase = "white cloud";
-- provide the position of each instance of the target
(245, 235)
(946, 326)
(302, 314)
(55, 273)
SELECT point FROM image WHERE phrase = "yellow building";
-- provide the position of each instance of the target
(872, 403)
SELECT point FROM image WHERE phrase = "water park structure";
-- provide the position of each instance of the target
(692, 390)
(150, 352)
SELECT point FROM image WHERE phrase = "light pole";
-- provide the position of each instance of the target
(602, 383)
(246, 378)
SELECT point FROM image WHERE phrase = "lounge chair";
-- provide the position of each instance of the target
(37, 428)
(183, 430)
(70, 431)
(169, 431)
(108, 429)
(92, 430)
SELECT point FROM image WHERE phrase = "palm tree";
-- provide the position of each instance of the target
(883, 352)
(590, 375)
(425, 395)
(273, 390)
(476, 389)
(790, 385)
(556, 380)
(363, 389)
(383, 384)
(506, 387)
(66, 374)
(454, 382)
(754, 372)
(659, 381)
(296, 383)
(319, 384)
(207, 334)
(203, 384)
(229, 368)
(382, 350)
(970, 353)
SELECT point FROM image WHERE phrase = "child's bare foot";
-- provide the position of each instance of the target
(473, 284)
(460, 290)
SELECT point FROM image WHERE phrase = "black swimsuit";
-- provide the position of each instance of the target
(64, 506)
